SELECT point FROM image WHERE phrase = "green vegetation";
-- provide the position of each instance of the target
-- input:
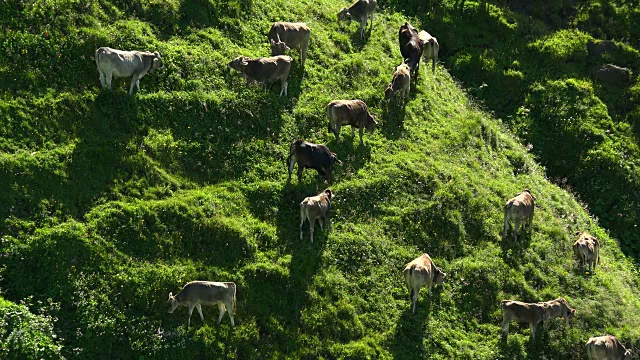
(112, 201)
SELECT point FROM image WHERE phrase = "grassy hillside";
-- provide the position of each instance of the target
(112, 201)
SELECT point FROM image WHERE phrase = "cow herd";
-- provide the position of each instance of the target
(421, 272)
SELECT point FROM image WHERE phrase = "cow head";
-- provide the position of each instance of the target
(278, 47)
(439, 278)
(344, 15)
(173, 303)
(371, 122)
(238, 63)
(628, 355)
(388, 93)
(328, 193)
(157, 61)
(334, 157)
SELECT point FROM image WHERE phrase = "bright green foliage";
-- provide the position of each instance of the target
(112, 201)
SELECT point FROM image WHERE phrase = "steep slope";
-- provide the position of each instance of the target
(113, 201)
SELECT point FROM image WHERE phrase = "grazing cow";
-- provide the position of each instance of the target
(430, 48)
(607, 347)
(120, 63)
(587, 250)
(520, 210)
(361, 11)
(410, 46)
(316, 207)
(401, 82)
(533, 313)
(421, 272)
(350, 112)
(198, 293)
(264, 70)
(312, 156)
(285, 35)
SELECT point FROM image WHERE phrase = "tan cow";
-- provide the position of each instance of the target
(419, 273)
(401, 83)
(119, 63)
(533, 313)
(430, 48)
(316, 208)
(264, 70)
(362, 11)
(198, 293)
(285, 35)
(607, 347)
(350, 112)
(587, 250)
(519, 209)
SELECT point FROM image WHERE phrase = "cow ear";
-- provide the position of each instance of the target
(157, 54)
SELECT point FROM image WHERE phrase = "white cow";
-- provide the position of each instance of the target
(120, 63)
(197, 293)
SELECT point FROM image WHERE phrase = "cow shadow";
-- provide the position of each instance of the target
(513, 249)
(413, 330)
(359, 43)
(353, 155)
(394, 113)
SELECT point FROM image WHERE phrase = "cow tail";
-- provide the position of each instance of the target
(409, 282)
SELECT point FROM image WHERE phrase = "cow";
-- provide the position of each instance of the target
(350, 112)
(410, 46)
(361, 11)
(314, 208)
(607, 347)
(421, 272)
(120, 63)
(198, 293)
(587, 250)
(430, 48)
(401, 82)
(312, 156)
(284, 36)
(264, 70)
(533, 313)
(519, 209)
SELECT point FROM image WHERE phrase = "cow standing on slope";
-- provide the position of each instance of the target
(587, 250)
(314, 208)
(607, 347)
(120, 63)
(198, 293)
(401, 83)
(419, 273)
(284, 36)
(430, 48)
(519, 209)
(360, 11)
(350, 112)
(312, 156)
(410, 47)
(533, 313)
(264, 70)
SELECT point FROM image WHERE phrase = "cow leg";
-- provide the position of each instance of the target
(292, 162)
(133, 83)
(516, 228)
(505, 327)
(191, 306)
(362, 128)
(363, 24)
(337, 132)
(302, 217)
(283, 88)
(533, 327)
(222, 310)
(300, 169)
(414, 299)
(199, 307)
(312, 223)
(138, 85)
(321, 223)
(230, 312)
(303, 53)
(109, 77)
(102, 79)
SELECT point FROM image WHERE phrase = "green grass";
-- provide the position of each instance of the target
(112, 201)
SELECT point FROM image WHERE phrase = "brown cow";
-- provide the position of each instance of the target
(360, 11)
(350, 112)
(198, 293)
(285, 35)
(411, 47)
(315, 208)
(430, 48)
(421, 272)
(401, 83)
(533, 313)
(607, 347)
(587, 250)
(519, 209)
(264, 70)
(312, 156)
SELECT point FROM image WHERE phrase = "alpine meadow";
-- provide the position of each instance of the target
(111, 201)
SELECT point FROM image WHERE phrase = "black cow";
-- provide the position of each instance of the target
(312, 156)
(410, 46)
